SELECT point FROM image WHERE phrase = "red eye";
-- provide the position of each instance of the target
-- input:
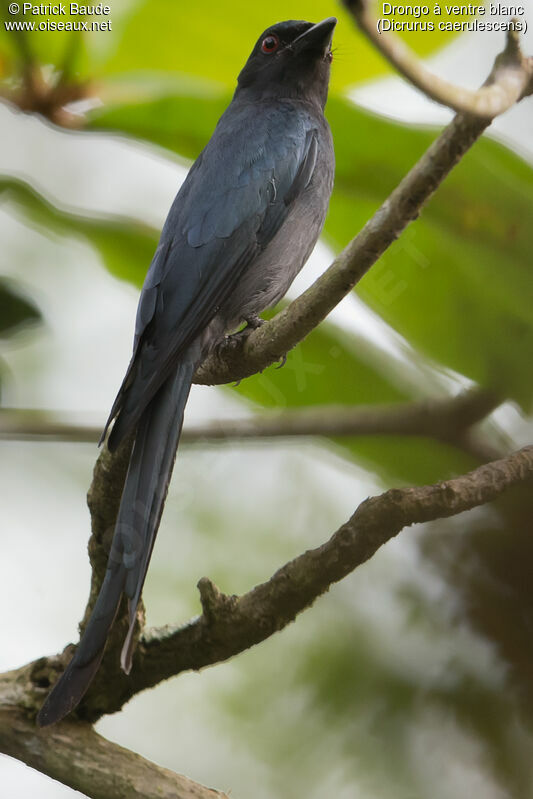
(270, 43)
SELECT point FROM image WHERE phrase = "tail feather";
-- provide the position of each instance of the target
(137, 523)
(78, 675)
(155, 445)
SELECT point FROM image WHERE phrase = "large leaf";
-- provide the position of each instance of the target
(69, 50)
(459, 283)
(333, 367)
(16, 310)
(58, 49)
(211, 40)
(126, 247)
(145, 107)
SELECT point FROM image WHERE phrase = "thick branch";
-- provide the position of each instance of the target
(77, 756)
(231, 624)
(444, 419)
(275, 338)
(514, 79)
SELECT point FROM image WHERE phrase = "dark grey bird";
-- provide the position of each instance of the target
(241, 227)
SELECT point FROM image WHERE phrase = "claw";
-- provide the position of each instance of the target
(253, 322)
(225, 343)
(234, 340)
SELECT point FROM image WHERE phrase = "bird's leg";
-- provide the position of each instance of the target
(236, 339)
(252, 323)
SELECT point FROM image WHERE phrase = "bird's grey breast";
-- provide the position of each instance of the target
(269, 276)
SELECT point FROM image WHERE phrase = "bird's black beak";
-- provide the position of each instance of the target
(318, 38)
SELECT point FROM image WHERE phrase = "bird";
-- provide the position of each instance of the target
(242, 225)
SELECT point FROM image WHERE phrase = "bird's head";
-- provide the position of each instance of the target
(290, 59)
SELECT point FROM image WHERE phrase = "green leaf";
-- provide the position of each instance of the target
(213, 40)
(182, 122)
(175, 38)
(126, 247)
(458, 284)
(16, 310)
(52, 48)
(333, 367)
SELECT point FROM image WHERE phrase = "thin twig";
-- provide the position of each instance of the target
(443, 418)
(515, 72)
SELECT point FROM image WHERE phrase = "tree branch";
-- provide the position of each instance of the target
(270, 342)
(77, 756)
(231, 624)
(515, 72)
(443, 418)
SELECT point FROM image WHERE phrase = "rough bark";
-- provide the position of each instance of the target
(77, 756)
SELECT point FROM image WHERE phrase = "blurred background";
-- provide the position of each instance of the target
(412, 678)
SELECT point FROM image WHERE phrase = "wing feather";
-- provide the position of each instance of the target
(235, 198)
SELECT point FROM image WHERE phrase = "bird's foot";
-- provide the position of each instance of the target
(252, 323)
(235, 340)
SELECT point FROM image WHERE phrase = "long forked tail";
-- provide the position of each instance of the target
(144, 494)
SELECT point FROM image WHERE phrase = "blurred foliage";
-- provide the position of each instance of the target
(457, 286)
(16, 310)
(125, 246)
(200, 40)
